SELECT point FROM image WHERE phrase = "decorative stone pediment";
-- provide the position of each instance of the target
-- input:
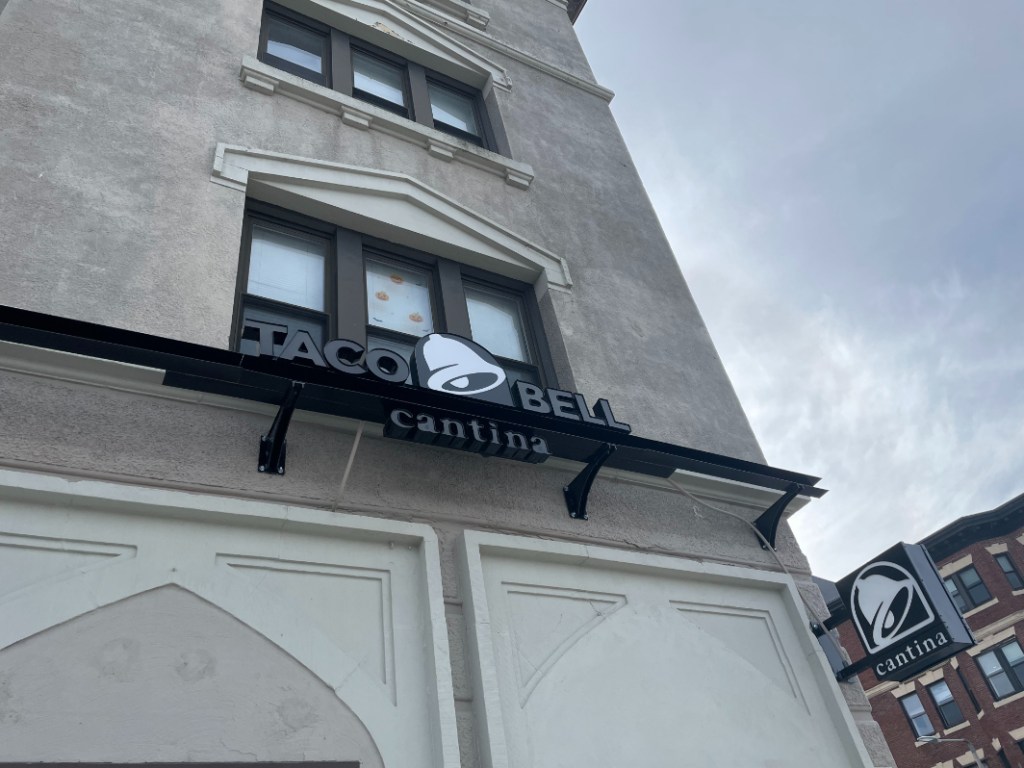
(392, 27)
(392, 206)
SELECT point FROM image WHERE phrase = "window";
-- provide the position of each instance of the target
(302, 274)
(1010, 570)
(914, 710)
(949, 710)
(1003, 669)
(326, 56)
(967, 589)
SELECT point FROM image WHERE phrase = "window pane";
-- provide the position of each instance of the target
(918, 717)
(941, 693)
(287, 266)
(452, 108)
(302, 47)
(378, 78)
(496, 323)
(958, 599)
(398, 298)
(1013, 653)
(997, 677)
(948, 709)
(1011, 572)
(969, 577)
(979, 593)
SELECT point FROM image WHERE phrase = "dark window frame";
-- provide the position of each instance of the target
(947, 718)
(1016, 679)
(338, 75)
(966, 593)
(345, 314)
(1009, 570)
(910, 720)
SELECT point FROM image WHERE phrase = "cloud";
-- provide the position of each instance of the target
(884, 418)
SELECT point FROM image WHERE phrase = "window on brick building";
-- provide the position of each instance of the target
(1012, 575)
(967, 589)
(1003, 669)
(920, 723)
(949, 710)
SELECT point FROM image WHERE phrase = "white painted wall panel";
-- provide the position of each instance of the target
(594, 657)
(356, 602)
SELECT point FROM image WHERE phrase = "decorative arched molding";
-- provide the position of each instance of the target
(145, 539)
(394, 28)
(392, 206)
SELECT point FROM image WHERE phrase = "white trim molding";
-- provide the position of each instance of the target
(392, 206)
(144, 539)
(998, 548)
(470, 14)
(957, 565)
(637, 586)
(395, 28)
(472, 32)
(263, 78)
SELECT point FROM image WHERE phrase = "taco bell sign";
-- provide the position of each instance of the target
(903, 614)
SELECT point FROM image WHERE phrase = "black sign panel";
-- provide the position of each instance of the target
(903, 614)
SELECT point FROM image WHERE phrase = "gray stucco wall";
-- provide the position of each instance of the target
(107, 213)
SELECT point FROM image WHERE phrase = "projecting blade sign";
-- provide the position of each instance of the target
(903, 614)
(888, 605)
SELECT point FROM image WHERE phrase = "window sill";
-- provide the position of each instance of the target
(957, 727)
(263, 78)
(1008, 700)
(1018, 592)
(982, 607)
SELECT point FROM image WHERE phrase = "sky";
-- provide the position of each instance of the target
(843, 186)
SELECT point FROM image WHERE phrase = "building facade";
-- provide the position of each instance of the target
(244, 247)
(976, 698)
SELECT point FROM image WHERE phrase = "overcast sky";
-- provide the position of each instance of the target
(843, 186)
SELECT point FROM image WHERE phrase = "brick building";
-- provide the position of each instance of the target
(977, 697)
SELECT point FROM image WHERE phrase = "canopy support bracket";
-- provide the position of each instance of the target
(273, 445)
(578, 490)
(768, 523)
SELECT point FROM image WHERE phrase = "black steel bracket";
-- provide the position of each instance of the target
(768, 523)
(273, 445)
(578, 490)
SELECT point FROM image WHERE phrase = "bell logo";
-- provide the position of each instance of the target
(448, 363)
(888, 605)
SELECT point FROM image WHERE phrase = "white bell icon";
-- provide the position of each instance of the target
(454, 366)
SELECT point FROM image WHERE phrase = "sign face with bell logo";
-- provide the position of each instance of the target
(448, 363)
(903, 614)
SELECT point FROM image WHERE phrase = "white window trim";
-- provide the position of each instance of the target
(392, 206)
(464, 12)
(957, 565)
(264, 78)
(395, 29)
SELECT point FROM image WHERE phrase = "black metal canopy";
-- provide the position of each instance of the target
(267, 380)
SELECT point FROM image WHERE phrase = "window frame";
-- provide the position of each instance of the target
(346, 312)
(1009, 569)
(1016, 680)
(910, 718)
(339, 74)
(962, 590)
(947, 722)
